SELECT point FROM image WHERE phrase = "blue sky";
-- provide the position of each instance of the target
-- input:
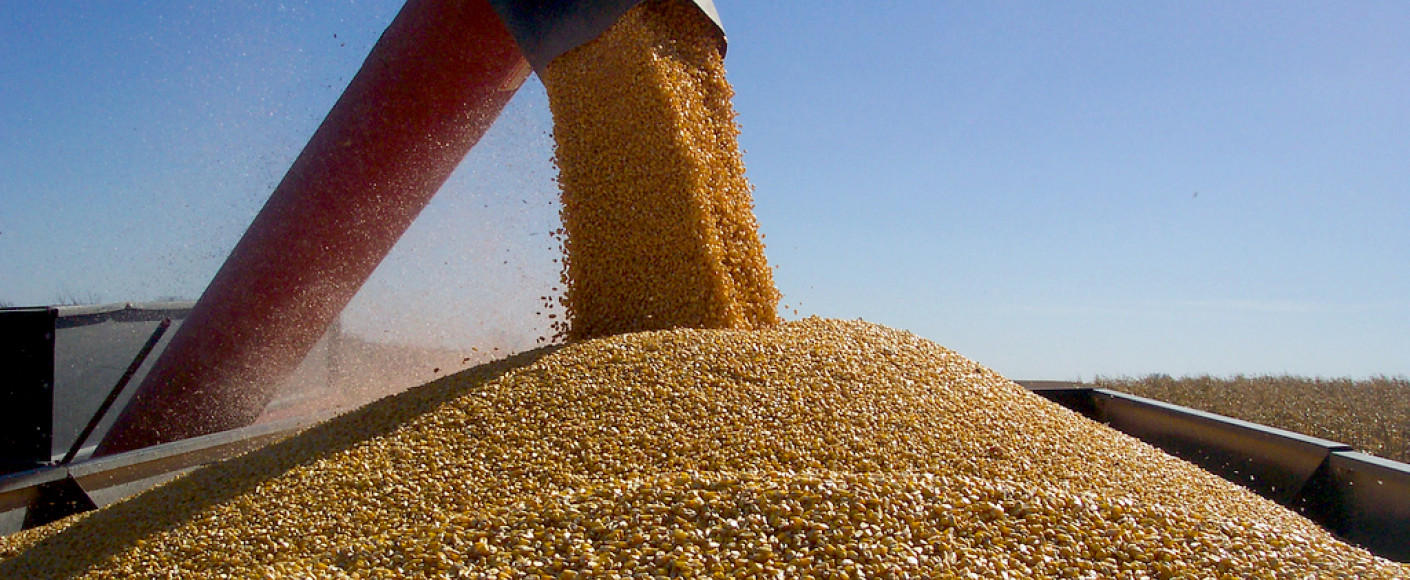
(1057, 190)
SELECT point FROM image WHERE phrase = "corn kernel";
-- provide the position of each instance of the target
(660, 230)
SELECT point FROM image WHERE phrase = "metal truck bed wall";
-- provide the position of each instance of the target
(1361, 498)
(39, 496)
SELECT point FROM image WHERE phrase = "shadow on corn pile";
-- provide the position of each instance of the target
(170, 505)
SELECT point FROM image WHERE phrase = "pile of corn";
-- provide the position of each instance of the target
(659, 221)
(818, 448)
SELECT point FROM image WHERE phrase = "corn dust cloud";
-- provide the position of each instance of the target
(817, 448)
(659, 222)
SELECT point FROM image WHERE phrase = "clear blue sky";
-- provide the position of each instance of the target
(1057, 190)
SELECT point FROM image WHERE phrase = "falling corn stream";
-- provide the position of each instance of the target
(683, 431)
(658, 215)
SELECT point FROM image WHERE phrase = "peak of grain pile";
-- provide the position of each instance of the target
(658, 217)
(818, 448)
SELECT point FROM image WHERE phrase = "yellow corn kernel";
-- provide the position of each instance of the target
(660, 230)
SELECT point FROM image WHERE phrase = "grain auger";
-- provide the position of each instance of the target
(429, 89)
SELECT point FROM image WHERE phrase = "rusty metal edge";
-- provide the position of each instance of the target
(18, 490)
(123, 468)
(22, 490)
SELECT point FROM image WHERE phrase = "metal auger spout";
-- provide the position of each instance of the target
(545, 30)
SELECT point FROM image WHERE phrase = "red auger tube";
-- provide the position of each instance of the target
(431, 87)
